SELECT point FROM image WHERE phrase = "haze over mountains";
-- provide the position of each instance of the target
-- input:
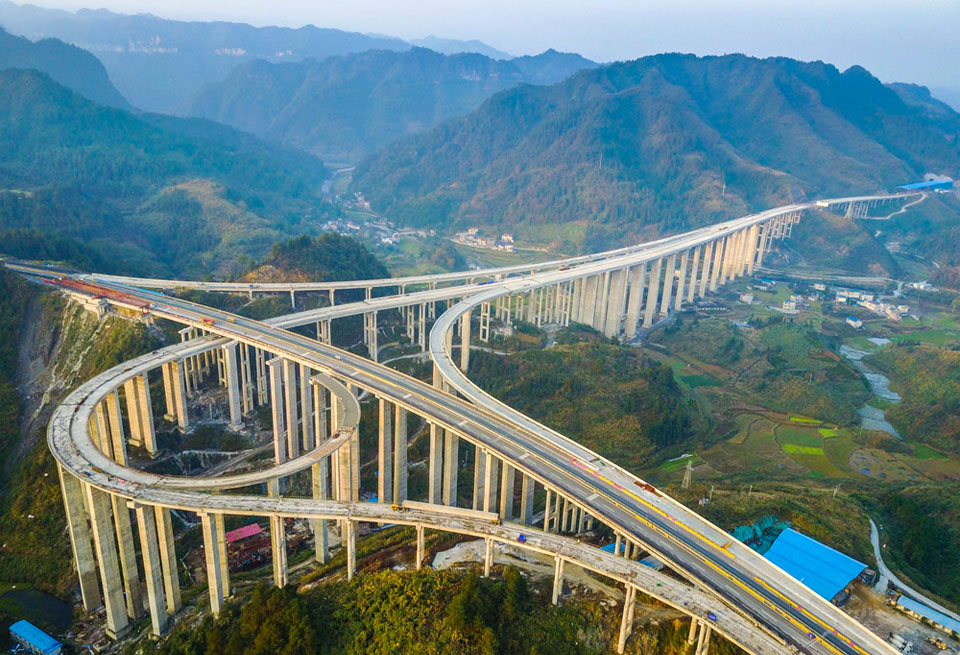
(158, 63)
(344, 107)
(662, 144)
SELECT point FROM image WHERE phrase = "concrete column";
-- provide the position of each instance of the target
(491, 473)
(419, 563)
(694, 267)
(653, 290)
(233, 384)
(275, 366)
(603, 299)
(399, 454)
(133, 412)
(422, 329)
(576, 299)
(318, 480)
(684, 261)
(211, 551)
(115, 424)
(128, 557)
(692, 635)
(290, 406)
(168, 558)
(634, 299)
(589, 300)
(104, 541)
(320, 428)
(435, 476)
(350, 541)
(152, 569)
(451, 462)
(479, 478)
(547, 510)
(246, 382)
(224, 563)
(487, 557)
(370, 333)
(752, 248)
(385, 452)
(626, 623)
(465, 342)
(507, 479)
(146, 415)
(484, 322)
(668, 284)
(74, 507)
(618, 283)
(307, 410)
(557, 579)
(708, 252)
(703, 645)
(719, 250)
(278, 541)
(526, 499)
(169, 402)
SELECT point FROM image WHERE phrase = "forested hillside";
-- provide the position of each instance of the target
(72, 67)
(663, 143)
(342, 108)
(608, 397)
(157, 193)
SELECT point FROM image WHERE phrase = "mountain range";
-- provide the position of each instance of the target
(345, 107)
(159, 63)
(661, 144)
(156, 193)
(69, 65)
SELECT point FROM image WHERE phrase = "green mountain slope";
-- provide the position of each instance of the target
(662, 143)
(156, 192)
(72, 67)
(343, 108)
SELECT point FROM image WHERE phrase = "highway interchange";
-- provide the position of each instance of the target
(741, 582)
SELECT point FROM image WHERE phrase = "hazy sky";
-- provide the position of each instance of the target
(903, 40)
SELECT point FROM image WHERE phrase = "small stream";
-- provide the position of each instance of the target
(871, 417)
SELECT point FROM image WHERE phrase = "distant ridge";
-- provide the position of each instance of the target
(345, 107)
(663, 143)
(69, 65)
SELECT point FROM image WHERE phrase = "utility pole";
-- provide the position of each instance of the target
(687, 475)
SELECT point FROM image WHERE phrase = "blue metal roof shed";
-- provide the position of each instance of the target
(34, 638)
(930, 614)
(929, 184)
(825, 570)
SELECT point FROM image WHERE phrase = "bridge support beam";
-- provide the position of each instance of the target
(115, 424)
(128, 557)
(278, 541)
(420, 544)
(487, 557)
(668, 284)
(350, 543)
(693, 281)
(75, 509)
(399, 454)
(634, 299)
(104, 540)
(526, 499)
(692, 635)
(291, 408)
(275, 366)
(168, 559)
(211, 550)
(233, 384)
(557, 579)
(465, 342)
(451, 467)
(682, 278)
(653, 290)
(719, 250)
(507, 480)
(385, 452)
(152, 569)
(626, 620)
